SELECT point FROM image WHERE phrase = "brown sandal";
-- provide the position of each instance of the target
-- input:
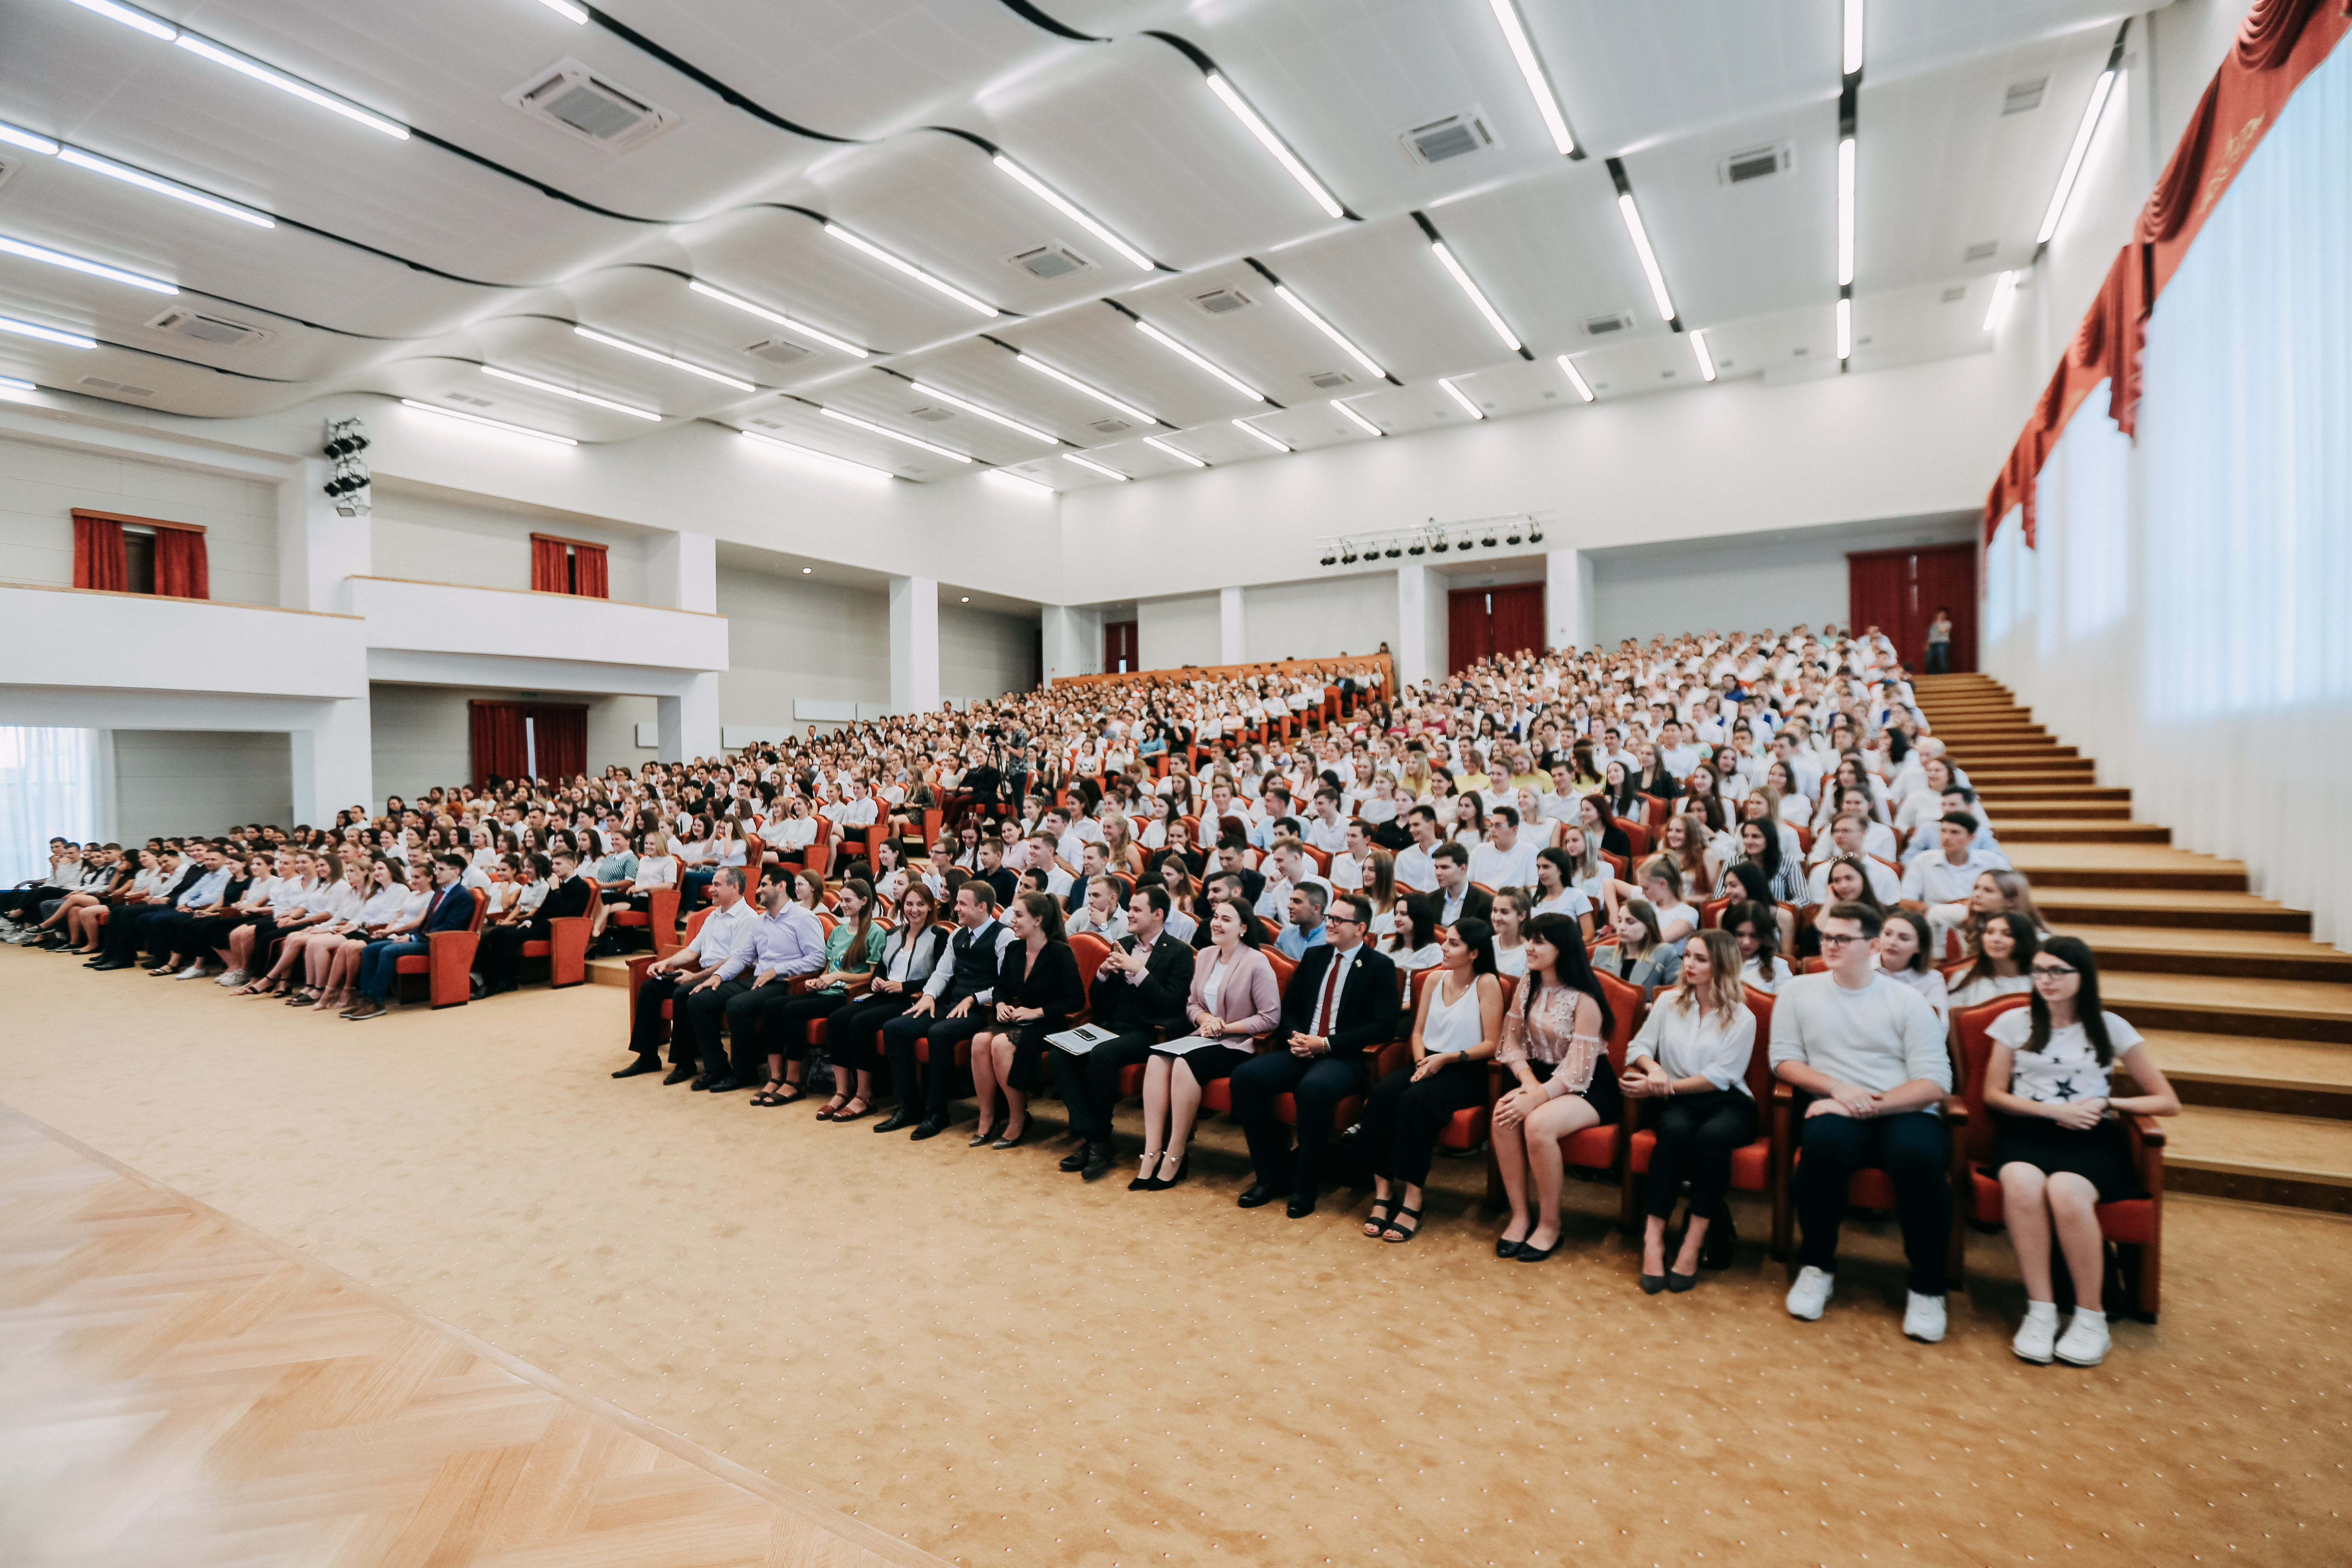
(845, 1114)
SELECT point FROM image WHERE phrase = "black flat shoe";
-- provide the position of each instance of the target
(1014, 1141)
(642, 1065)
(1714, 1250)
(1652, 1283)
(1530, 1253)
(1258, 1196)
(1506, 1250)
(1678, 1283)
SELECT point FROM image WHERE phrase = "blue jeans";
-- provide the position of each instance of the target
(380, 966)
(694, 888)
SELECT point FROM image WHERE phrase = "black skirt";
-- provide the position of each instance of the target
(1602, 1094)
(2100, 1155)
(1209, 1063)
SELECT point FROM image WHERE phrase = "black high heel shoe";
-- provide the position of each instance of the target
(1142, 1183)
(1184, 1169)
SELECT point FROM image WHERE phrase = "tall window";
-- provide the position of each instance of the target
(48, 789)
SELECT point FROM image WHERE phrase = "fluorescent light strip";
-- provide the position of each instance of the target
(16, 136)
(566, 9)
(1361, 423)
(1523, 50)
(1846, 211)
(1844, 331)
(45, 334)
(909, 269)
(1075, 385)
(1245, 425)
(131, 17)
(75, 263)
(952, 401)
(567, 392)
(13, 384)
(1282, 292)
(1705, 360)
(1463, 399)
(1575, 378)
(1164, 340)
(1092, 467)
(2004, 287)
(246, 66)
(596, 337)
(1031, 479)
(894, 435)
(498, 424)
(1071, 210)
(1632, 218)
(1486, 310)
(130, 176)
(803, 328)
(1181, 456)
(1273, 144)
(2074, 156)
(819, 460)
(1852, 57)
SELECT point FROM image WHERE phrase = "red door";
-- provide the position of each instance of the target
(1482, 622)
(1899, 592)
(1118, 648)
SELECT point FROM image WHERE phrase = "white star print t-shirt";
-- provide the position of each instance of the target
(2066, 1069)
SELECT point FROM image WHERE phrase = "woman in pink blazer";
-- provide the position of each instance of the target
(1235, 1001)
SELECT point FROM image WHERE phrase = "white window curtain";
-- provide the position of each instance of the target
(48, 789)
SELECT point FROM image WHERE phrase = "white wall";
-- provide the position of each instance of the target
(428, 535)
(179, 782)
(424, 734)
(1172, 633)
(788, 640)
(1317, 619)
(41, 484)
(986, 653)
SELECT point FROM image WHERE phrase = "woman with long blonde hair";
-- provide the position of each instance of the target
(1692, 1055)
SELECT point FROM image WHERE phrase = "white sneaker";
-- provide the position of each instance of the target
(2037, 1333)
(234, 978)
(1923, 1319)
(2085, 1342)
(1811, 1294)
(193, 972)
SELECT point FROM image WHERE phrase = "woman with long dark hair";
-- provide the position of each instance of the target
(1455, 1030)
(1554, 1040)
(2006, 944)
(2058, 1146)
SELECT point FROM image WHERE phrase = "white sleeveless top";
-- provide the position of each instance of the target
(1450, 1026)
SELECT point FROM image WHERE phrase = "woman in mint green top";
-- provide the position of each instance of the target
(850, 954)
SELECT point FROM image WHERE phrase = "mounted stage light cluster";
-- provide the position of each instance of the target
(346, 439)
(1435, 538)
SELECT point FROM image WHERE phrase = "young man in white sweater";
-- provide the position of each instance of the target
(1871, 1053)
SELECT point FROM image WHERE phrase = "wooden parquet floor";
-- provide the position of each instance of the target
(175, 1391)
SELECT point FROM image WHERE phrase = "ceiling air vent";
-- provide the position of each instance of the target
(767, 424)
(1051, 261)
(1982, 250)
(1953, 296)
(578, 102)
(7, 167)
(206, 329)
(1601, 326)
(1223, 301)
(2024, 95)
(931, 415)
(1755, 164)
(1329, 379)
(775, 350)
(475, 402)
(1455, 136)
(127, 390)
(1109, 427)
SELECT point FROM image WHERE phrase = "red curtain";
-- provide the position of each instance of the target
(1518, 619)
(98, 553)
(1875, 592)
(550, 565)
(562, 734)
(1482, 622)
(590, 579)
(181, 568)
(498, 738)
(1468, 636)
(2279, 43)
(1899, 591)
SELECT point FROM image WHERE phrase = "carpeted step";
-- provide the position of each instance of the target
(2298, 1162)
(2171, 908)
(2044, 830)
(2239, 954)
(2283, 1077)
(2274, 1009)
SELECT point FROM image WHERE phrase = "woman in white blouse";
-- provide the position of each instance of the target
(2005, 949)
(382, 896)
(391, 911)
(325, 911)
(1903, 955)
(1692, 1054)
(1509, 917)
(2058, 1146)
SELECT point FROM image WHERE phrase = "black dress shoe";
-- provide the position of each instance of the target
(1715, 1248)
(1076, 1159)
(702, 1081)
(727, 1085)
(902, 1117)
(1258, 1196)
(106, 964)
(929, 1127)
(1098, 1160)
(1301, 1204)
(678, 1074)
(641, 1064)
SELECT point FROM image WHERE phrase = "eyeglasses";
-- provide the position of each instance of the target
(1830, 941)
(2053, 971)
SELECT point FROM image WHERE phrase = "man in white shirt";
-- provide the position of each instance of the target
(1869, 1048)
(1415, 868)
(1328, 830)
(669, 980)
(1348, 866)
(1937, 883)
(1504, 861)
(1681, 758)
(1288, 867)
(1100, 913)
(1846, 837)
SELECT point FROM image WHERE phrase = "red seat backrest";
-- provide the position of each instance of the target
(1090, 951)
(694, 924)
(481, 908)
(1759, 1064)
(1625, 1010)
(1971, 1027)
(1710, 913)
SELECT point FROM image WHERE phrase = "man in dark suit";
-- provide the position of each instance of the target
(1341, 1005)
(1140, 990)
(568, 892)
(1457, 897)
(1220, 887)
(452, 910)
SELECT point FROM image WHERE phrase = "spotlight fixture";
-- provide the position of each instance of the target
(1440, 546)
(1535, 534)
(1507, 538)
(1487, 540)
(927, 279)
(1413, 550)
(1330, 560)
(1391, 552)
(1349, 558)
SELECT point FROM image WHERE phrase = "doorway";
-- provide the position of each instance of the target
(1482, 622)
(1118, 648)
(1899, 591)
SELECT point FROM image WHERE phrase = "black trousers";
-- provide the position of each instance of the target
(131, 926)
(1316, 1085)
(694, 1021)
(176, 935)
(1089, 1085)
(899, 1038)
(23, 904)
(1697, 1133)
(1912, 1148)
(499, 956)
(769, 1021)
(706, 1014)
(852, 1036)
(1403, 1119)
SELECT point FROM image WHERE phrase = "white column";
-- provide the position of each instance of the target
(316, 549)
(682, 572)
(1568, 599)
(1065, 642)
(334, 761)
(1230, 643)
(689, 723)
(1422, 629)
(914, 644)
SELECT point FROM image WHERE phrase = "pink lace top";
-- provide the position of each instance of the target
(1550, 1035)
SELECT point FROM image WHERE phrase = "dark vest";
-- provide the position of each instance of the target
(974, 953)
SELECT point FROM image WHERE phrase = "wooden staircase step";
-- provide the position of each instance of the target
(2301, 1162)
(2042, 810)
(2044, 830)
(2282, 1077)
(1999, 794)
(2193, 911)
(2145, 866)
(2277, 1009)
(2238, 955)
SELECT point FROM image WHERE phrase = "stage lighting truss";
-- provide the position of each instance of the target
(348, 487)
(1468, 537)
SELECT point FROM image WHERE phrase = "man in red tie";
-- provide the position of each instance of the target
(1342, 1003)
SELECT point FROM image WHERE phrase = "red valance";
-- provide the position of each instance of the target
(2279, 44)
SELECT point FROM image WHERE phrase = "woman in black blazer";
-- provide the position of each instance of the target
(1037, 991)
